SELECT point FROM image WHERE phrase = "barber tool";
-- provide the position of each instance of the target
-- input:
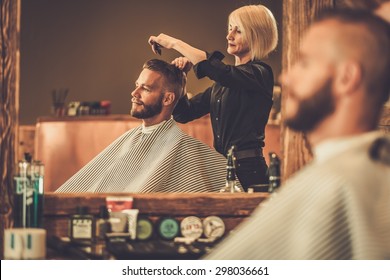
(231, 185)
(274, 172)
(28, 194)
(156, 47)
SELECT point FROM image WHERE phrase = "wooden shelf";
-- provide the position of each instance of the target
(232, 208)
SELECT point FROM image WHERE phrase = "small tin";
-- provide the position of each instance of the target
(144, 229)
(213, 227)
(168, 228)
(192, 227)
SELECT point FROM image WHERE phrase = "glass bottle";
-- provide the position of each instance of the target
(231, 185)
(37, 174)
(274, 172)
(28, 193)
(22, 195)
(82, 226)
(103, 224)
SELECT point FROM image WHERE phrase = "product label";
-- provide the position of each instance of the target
(82, 228)
(191, 227)
(25, 204)
(214, 227)
(144, 229)
(169, 228)
(117, 204)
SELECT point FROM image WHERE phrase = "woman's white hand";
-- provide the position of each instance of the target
(163, 40)
(183, 64)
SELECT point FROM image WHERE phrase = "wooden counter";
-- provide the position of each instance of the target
(232, 208)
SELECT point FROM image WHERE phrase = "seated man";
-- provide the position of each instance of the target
(338, 206)
(156, 156)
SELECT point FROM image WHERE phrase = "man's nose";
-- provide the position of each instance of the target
(135, 93)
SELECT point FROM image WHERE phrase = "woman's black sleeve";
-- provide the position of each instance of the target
(189, 109)
(250, 76)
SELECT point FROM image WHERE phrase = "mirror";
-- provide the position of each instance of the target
(232, 207)
(96, 48)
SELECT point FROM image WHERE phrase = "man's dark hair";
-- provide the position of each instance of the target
(174, 78)
(376, 32)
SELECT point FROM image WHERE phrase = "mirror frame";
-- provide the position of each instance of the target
(294, 146)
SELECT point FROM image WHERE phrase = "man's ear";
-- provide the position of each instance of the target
(348, 77)
(169, 98)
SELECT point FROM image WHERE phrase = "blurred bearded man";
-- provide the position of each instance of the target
(338, 206)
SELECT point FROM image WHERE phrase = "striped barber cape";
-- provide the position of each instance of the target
(337, 207)
(165, 160)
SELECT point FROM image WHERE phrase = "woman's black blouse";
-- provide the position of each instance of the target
(239, 102)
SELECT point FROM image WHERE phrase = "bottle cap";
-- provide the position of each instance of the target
(191, 227)
(28, 157)
(103, 212)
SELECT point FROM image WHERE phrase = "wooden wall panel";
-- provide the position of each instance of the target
(384, 123)
(9, 106)
(297, 16)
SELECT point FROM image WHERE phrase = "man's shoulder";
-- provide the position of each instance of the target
(365, 158)
(372, 150)
(359, 167)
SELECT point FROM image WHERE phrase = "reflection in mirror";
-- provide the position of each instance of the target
(96, 50)
(62, 160)
(233, 208)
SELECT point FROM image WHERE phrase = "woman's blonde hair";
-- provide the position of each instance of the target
(258, 27)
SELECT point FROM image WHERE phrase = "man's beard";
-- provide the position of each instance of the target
(311, 111)
(148, 110)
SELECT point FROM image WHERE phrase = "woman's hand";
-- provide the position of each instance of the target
(163, 40)
(183, 64)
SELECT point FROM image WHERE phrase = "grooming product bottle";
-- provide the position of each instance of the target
(37, 174)
(274, 172)
(231, 185)
(103, 224)
(82, 226)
